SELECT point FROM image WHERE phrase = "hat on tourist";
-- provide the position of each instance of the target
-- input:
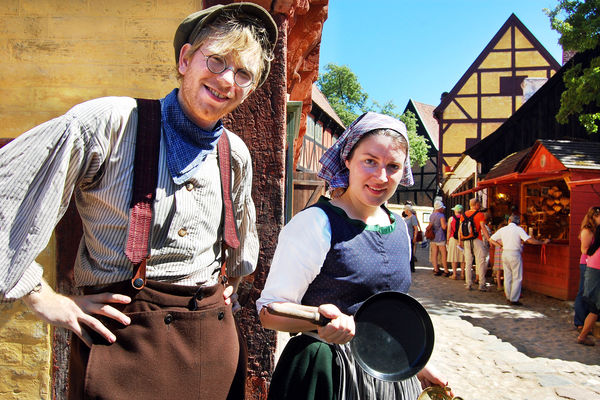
(409, 208)
(458, 208)
(190, 27)
(438, 204)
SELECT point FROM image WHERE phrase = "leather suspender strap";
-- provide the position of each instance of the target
(145, 179)
(230, 231)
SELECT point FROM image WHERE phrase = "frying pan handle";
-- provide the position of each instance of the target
(298, 311)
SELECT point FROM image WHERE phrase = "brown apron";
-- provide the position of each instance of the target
(167, 352)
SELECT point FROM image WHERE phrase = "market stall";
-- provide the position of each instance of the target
(552, 185)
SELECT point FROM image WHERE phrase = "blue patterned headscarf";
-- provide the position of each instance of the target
(334, 169)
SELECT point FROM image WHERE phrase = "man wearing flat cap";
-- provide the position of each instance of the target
(164, 194)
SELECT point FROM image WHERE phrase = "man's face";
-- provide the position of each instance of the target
(205, 96)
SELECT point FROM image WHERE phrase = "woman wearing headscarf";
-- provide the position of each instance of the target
(335, 255)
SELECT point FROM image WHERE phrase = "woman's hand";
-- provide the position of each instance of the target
(75, 312)
(429, 376)
(340, 329)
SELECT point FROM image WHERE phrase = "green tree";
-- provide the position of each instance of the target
(578, 23)
(345, 94)
(343, 91)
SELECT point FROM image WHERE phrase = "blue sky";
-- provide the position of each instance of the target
(402, 49)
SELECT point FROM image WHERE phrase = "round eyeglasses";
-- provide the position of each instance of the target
(217, 65)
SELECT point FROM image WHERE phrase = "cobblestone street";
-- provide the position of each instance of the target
(490, 350)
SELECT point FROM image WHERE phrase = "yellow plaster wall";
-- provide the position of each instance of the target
(455, 136)
(451, 160)
(490, 81)
(55, 54)
(505, 41)
(469, 104)
(535, 73)
(496, 107)
(453, 112)
(521, 41)
(470, 86)
(529, 59)
(492, 107)
(488, 128)
(497, 60)
(25, 344)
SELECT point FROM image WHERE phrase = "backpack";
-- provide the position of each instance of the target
(455, 227)
(468, 228)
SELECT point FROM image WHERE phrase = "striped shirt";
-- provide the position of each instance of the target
(89, 152)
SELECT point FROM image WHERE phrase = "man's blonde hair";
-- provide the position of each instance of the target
(243, 39)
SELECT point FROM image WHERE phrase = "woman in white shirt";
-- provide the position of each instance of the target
(335, 255)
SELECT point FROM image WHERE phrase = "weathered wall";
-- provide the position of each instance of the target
(25, 346)
(57, 53)
(305, 25)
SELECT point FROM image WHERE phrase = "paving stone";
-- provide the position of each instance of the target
(488, 350)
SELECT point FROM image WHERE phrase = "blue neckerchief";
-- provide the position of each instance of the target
(187, 144)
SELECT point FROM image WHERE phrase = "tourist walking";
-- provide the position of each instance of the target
(456, 254)
(511, 238)
(472, 232)
(437, 220)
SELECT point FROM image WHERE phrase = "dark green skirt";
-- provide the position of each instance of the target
(306, 370)
(310, 369)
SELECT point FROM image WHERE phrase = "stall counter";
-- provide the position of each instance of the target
(547, 269)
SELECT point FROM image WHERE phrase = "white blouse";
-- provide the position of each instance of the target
(301, 250)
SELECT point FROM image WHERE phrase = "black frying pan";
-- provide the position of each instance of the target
(394, 334)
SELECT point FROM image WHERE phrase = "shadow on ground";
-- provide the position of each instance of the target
(542, 327)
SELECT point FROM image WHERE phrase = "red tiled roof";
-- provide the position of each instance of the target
(319, 99)
(431, 124)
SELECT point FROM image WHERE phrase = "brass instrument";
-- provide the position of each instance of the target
(437, 393)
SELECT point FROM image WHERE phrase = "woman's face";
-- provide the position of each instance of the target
(597, 219)
(376, 168)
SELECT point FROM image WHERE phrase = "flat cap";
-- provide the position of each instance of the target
(192, 24)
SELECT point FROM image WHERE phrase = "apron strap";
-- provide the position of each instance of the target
(145, 179)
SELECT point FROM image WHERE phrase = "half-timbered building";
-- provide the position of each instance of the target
(426, 185)
(323, 127)
(490, 91)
